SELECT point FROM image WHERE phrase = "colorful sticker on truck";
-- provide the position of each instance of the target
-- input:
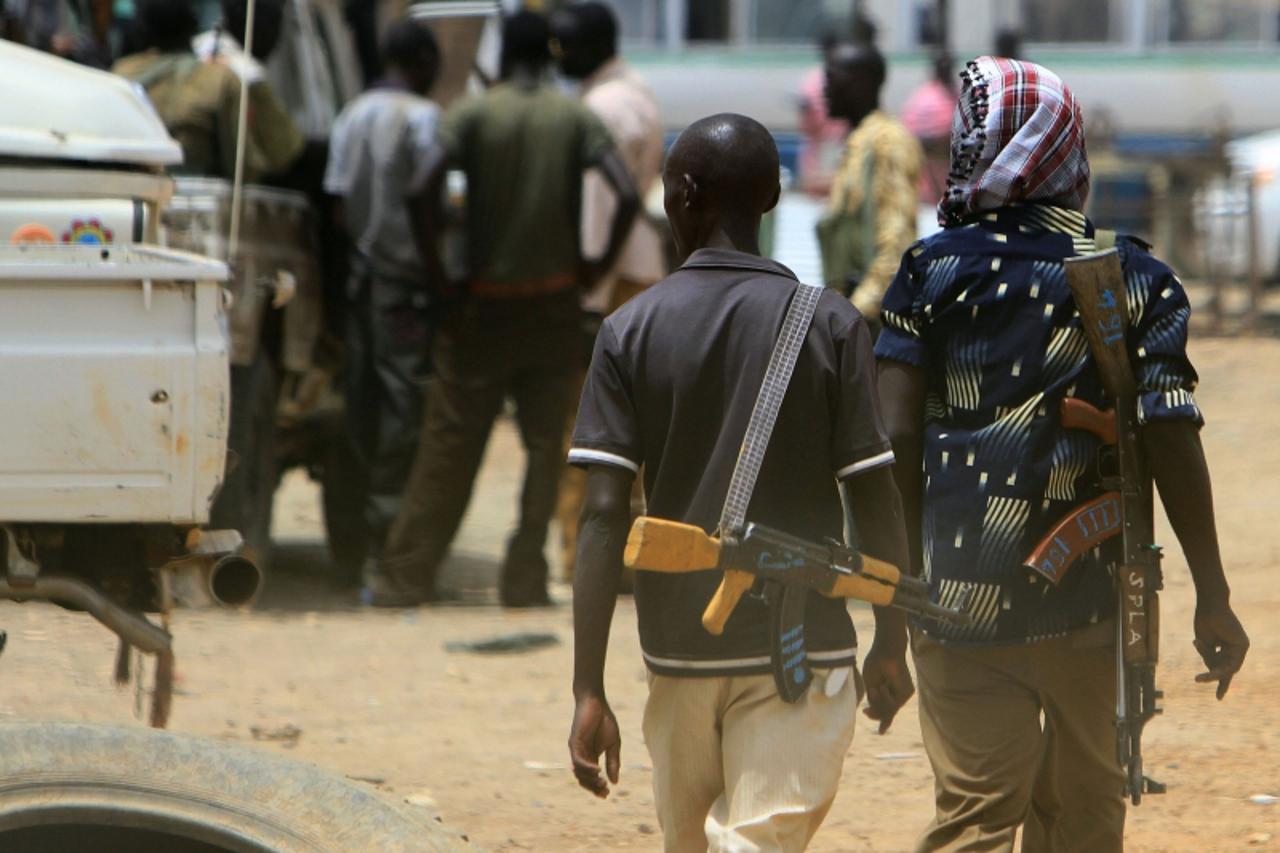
(89, 232)
(31, 234)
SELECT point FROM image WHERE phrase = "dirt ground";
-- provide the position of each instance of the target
(479, 740)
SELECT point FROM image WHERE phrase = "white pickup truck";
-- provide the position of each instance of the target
(114, 370)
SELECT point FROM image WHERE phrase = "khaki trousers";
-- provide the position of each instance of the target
(737, 769)
(1022, 736)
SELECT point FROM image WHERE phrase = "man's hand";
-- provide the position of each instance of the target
(1221, 642)
(888, 681)
(595, 730)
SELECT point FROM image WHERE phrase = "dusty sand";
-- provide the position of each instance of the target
(480, 739)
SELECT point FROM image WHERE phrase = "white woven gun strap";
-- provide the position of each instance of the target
(795, 327)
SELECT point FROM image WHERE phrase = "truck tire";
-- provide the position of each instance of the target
(248, 494)
(344, 489)
(97, 789)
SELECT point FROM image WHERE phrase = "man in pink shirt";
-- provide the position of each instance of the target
(823, 135)
(927, 114)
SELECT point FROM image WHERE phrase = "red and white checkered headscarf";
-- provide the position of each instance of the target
(1017, 136)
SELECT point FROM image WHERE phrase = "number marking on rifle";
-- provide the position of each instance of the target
(1111, 323)
(768, 561)
(1101, 518)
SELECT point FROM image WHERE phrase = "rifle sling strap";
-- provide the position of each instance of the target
(791, 672)
(795, 327)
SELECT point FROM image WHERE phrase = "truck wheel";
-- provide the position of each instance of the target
(344, 489)
(96, 789)
(247, 496)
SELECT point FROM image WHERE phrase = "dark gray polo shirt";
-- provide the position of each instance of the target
(670, 389)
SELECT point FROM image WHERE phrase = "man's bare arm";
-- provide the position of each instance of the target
(1178, 465)
(426, 219)
(876, 511)
(615, 172)
(606, 517)
(902, 390)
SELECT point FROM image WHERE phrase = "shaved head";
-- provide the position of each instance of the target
(733, 159)
(721, 174)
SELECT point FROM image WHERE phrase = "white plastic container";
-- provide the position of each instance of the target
(114, 384)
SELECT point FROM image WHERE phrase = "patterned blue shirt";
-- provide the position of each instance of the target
(985, 310)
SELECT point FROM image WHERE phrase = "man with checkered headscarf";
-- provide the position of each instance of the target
(981, 343)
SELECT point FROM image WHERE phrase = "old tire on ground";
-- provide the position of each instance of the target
(247, 496)
(95, 789)
(344, 488)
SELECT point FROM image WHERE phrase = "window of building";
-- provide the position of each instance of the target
(707, 20)
(798, 21)
(1241, 21)
(639, 20)
(1070, 21)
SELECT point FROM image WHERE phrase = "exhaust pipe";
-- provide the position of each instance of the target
(215, 572)
(129, 626)
(234, 580)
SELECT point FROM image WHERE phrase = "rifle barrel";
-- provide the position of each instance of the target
(924, 607)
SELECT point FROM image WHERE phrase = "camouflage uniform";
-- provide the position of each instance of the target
(199, 103)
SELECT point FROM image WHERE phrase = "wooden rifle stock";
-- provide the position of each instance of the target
(661, 545)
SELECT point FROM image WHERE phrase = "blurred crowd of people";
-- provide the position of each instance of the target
(97, 32)
(484, 242)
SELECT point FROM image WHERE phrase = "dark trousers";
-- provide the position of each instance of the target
(388, 337)
(484, 352)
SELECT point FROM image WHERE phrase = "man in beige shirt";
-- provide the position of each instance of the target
(586, 42)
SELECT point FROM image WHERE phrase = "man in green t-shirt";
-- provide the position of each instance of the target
(524, 148)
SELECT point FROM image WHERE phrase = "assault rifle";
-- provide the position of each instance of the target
(1097, 283)
(777, 560)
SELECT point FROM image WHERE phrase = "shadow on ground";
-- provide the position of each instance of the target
(302, 578)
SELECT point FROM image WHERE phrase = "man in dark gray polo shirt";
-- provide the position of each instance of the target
(670, 390)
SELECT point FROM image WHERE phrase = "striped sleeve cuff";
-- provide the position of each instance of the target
(867, 464)
(587, 456)
(1176, 405)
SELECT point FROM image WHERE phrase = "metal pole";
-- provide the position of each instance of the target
(1255, 272)
(242, 132)
(677, 17)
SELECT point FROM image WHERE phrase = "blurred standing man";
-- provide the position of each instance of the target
(524, 148)
(199, 101)
(824, 135)
(586, 35)
(871, 215)
(379, 145)
(981, 343)
(671, 389)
